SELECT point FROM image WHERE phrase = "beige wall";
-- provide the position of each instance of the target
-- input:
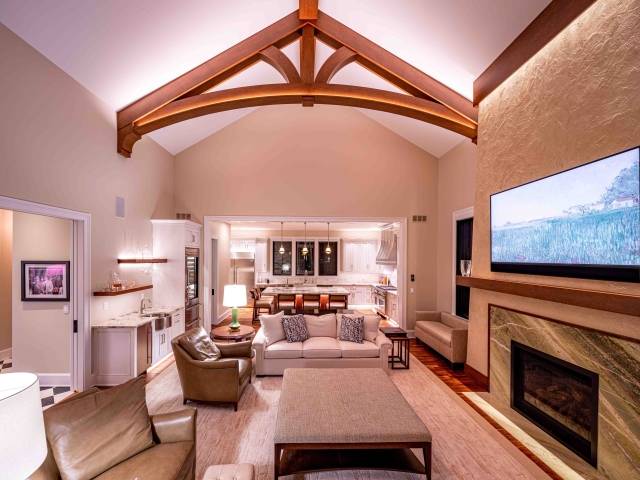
(456, 191)
(6, 242)
(41, 331)
(576, 101)
(222, 231)
(58, 147)
(322, 161)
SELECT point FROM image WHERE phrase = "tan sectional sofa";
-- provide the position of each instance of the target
(322, 349)
(445, 333)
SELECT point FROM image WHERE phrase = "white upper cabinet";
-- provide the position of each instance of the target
(243, 245)
(262, 257)
(360, 256)
(191, 237)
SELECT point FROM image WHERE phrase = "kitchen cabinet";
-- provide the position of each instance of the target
(359, 294)
(392, 305)
(262, 256)
(191, 237)
(243, 245)
(360, 256)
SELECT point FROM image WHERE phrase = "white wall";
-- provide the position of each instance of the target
(6, 242)
(41, 331)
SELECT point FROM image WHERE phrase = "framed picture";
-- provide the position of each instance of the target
(45, 281)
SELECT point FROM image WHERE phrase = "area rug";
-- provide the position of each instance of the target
(462, 448)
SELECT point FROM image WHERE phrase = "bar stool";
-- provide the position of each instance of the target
(338, 302)
(260, 303)
(310, 301)
(286, 301)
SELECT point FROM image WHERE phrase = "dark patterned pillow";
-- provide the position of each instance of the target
(295, 328)
(352, 329)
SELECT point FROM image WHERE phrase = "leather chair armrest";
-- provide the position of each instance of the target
(218, 365)
(179, 426)
(427, 316)
(235, 350)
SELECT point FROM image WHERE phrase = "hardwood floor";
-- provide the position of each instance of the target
(456, 380)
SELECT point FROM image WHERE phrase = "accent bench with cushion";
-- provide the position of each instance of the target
(445, 333)
(322, 349)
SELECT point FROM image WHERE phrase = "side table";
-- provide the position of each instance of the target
(400, 345)
(224, 333)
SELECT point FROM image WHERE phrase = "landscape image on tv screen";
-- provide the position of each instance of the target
(585, 216)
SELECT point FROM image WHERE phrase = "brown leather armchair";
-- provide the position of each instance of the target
(172, 458)
(219, 381)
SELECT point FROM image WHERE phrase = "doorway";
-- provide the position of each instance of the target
(49, 295)
(214, 281)
(461, 250)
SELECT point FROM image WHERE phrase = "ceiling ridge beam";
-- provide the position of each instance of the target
(307, 54)
(278, 60)
(390, 67)
(291, 93)
(283, 29)
(336, 62)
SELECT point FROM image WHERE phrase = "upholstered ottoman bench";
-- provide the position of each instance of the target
(244, 471)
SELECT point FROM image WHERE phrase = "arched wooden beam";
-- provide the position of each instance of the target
(293, 93)
(281, 63)
(337, 61)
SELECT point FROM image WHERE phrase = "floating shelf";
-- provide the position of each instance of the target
(598, 300)
(142, 260)
(122, 292)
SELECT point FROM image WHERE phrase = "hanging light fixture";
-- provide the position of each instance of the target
(281, 250)
(305, 250)
(328, 249)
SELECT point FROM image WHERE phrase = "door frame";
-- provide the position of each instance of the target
(402, 250)
(213, 309)
(80, 304)
(463, 214)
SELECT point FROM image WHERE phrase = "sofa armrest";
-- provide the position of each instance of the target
(260, 341)
(235, 350)
(427, 316)
(178, 426)
(459, 339)
(383, 342)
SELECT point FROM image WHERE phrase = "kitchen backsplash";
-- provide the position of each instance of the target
(342, 278)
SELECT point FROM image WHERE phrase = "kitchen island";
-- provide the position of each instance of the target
(309, 289)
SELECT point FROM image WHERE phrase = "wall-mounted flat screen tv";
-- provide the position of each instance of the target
(583, 223)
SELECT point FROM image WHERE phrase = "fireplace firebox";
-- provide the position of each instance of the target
(558, 396)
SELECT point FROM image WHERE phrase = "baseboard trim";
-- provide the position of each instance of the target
(4, 354)
(411, 333)
(224, 315)
(476, 376)
(54, 379)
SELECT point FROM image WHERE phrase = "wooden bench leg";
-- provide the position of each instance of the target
(427, 460)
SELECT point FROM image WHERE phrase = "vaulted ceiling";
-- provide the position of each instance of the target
(122, 50)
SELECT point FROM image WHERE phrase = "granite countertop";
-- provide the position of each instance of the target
(333, 284)
(134, 320)
(393, 292)
(311, 289)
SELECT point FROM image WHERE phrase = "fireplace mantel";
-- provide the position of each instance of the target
(597, 300)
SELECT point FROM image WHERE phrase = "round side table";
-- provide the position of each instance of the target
(224, 333)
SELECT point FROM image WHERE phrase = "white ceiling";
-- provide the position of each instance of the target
(121, 50)
(311, 226)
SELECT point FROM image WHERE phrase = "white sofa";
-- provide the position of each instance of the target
(322, 349)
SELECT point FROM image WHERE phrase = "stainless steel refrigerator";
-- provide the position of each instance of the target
(243, 270)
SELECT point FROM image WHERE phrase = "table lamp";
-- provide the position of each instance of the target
(234, 296)
(23, 445)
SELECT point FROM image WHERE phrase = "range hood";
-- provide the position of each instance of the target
(242, 256)
(388, 254)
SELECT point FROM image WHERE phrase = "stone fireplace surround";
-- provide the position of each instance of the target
(615, 359)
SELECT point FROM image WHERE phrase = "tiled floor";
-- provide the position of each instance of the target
(48, 395)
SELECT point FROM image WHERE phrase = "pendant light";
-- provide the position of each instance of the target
(281, 250)
(305, 250)
(328, 249)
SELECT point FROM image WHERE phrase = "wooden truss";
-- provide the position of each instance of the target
(186, 97)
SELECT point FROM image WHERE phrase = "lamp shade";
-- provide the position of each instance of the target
(23, 445)
(234, 296)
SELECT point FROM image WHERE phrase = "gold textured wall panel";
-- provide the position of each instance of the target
(576, 101)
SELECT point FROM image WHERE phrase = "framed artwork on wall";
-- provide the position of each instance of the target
(45, 281)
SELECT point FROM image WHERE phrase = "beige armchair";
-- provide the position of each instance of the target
(219, 381)
(445, 333)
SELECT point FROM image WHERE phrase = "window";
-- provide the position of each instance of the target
(305, 263)
(464, 237)
(282, 261)
(328, 263)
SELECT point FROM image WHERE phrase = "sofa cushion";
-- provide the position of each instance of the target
(371, 325)
(162, 462)
(352, 329)
(295, 328)
(321, 347)
(90, 435)
(437, 330)
(272, 327)
(322, 326)
(365, 349)
(284, 349)
(199, 345)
